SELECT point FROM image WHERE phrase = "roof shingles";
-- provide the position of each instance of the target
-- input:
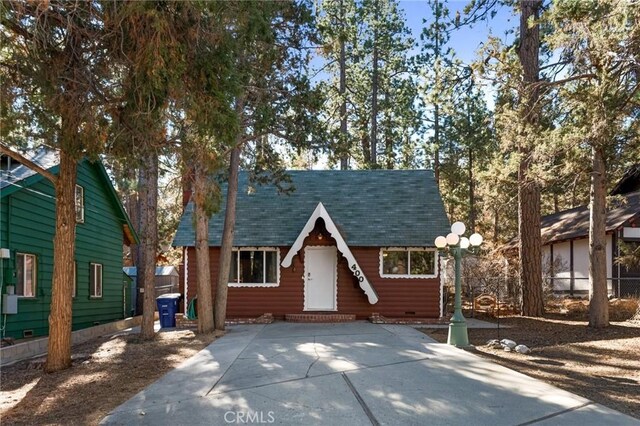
(371, 208)
(574, 223)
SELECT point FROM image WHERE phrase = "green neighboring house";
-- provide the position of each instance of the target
(27, 226)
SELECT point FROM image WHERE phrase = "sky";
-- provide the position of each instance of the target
(466, 40)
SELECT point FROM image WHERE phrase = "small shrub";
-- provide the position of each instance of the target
(623, 309)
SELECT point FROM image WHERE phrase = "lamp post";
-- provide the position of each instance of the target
(457, 246)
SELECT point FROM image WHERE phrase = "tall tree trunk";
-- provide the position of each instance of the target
(389, 148)
(374, 97)
(388, 135)
(436, 111)
(436, 142)
(186, 182)
(203, 274)
(227, 241)
(148, 193)
(364, 140)
(344, 159)
(598, 302)
(530, 250)
(528, 189)
(59, 345)
(472, 195)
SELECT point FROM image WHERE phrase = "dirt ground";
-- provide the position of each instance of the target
(107, 371)
(601, 365)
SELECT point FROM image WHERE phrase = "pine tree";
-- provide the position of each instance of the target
(386, 45)
(438, 69)
(366, 46)
(468, 146)
(530, 240)
(274, 102)
(337, 27)
(146, 47)
(54, 71)
(208, 125)
(600, 94)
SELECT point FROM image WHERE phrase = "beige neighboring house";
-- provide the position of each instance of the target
(565, 237)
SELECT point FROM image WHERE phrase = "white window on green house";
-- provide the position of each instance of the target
(26, 274)
(254, 267)
(95, 284)
(79, 204)
(408, 263)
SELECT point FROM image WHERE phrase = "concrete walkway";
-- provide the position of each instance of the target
(350, 374)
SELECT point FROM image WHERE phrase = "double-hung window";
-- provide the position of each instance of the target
(254, 267)
(26, 275)
(95, 282)
(408, 263)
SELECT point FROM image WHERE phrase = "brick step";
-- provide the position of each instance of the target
(379, 319)
(318, 317)
(183, 322)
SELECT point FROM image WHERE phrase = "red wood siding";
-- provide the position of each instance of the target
(418, 298)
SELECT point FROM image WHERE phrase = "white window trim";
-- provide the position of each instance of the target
(35, 275)
(81, 220)
(93, 283)
(264, 266)
(408, 275)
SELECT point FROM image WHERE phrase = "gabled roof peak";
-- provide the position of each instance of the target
(321, 213)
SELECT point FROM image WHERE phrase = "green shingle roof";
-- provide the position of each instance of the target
(20, 176)
(375, 208)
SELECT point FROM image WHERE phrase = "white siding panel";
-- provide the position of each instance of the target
(628, 232)
(546, 260)
(581, 264)
(561, 254)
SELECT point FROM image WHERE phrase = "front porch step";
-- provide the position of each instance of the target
(320, 317)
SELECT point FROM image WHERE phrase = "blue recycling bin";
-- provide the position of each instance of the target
(167, 309)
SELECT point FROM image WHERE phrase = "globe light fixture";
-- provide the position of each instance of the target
(453, 239)
(475, 240)
(458, 228)
(455, 245)
(464, 243)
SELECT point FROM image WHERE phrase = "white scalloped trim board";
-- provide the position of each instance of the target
(321, 212)
(335, 278)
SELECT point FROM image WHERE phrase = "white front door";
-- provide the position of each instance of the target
(320, 278)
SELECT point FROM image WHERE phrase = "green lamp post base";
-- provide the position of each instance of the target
(458, 335)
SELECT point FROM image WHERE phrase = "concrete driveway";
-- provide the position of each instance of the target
(350, 374)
